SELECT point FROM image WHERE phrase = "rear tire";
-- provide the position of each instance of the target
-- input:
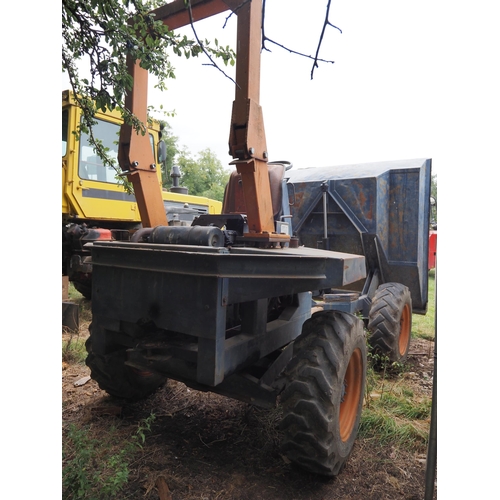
(84, 288)
(323, 397)
(116, 378)
(390, 321)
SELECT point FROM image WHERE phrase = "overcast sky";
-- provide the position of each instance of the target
(410, 79)
(374, 103)
(398, 88)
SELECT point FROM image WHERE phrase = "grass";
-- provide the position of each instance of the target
(84, 305)
(73, 343)
(392, 413)
(73, 349)
(73, 294)
(99, 468)
(424, 326)
(377, 423)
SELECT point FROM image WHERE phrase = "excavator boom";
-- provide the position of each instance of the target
(247, 140)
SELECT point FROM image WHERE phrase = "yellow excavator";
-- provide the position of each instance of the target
(95, 204)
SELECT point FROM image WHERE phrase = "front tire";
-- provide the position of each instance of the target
(323, 397)
(390, 321)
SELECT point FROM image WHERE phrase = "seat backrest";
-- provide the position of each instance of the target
(234, 200)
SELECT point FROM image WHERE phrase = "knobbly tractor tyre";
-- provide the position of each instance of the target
(116, 378)
(323, 395)
(389, 321)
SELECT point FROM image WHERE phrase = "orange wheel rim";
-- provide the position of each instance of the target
(353, 381)
(405, 330)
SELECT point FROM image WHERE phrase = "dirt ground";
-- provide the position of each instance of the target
(208, 447)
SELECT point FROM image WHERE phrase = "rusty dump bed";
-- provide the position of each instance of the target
(379, 210)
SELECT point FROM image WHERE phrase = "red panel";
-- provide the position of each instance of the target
(432, 249)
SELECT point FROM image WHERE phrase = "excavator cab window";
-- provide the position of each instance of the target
(65, 118)
(91, 166)
(162, 152)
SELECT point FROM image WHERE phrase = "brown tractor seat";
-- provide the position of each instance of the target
(234, 200)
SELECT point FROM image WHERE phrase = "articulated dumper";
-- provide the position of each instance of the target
(268, 301)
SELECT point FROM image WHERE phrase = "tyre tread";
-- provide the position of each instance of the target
(309, 398)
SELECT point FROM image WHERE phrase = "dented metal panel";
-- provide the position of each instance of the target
(379, 210)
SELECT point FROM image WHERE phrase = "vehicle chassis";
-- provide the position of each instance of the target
(203, 315)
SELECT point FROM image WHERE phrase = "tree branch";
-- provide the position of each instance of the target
(200, 43)
(316, 59)
(235, 11)
(325, 24)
